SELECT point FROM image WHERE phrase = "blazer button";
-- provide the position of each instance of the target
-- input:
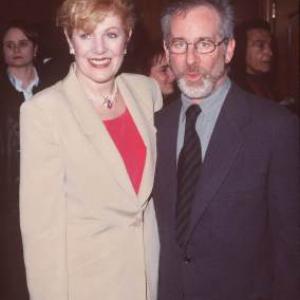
(187, 260)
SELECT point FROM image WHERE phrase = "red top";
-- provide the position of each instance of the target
(130, 145)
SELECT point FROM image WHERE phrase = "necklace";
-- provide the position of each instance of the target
(109, 100)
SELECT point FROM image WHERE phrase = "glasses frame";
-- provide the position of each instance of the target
(215, 44)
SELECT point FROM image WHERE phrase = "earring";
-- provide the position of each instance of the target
(125, 51)
(72, 51)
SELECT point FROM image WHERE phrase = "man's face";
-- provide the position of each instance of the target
(259, 51)
(198, 75)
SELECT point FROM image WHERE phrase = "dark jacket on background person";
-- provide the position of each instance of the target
(12, 272)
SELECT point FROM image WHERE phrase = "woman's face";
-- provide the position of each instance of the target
(162, 73)
(18, 50)
(99, 54)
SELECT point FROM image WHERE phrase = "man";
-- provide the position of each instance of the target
(253, 63)
(227, 178)
(259, 49)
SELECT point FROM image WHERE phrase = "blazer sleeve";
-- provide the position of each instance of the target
(284, 209)
(157, 96)
(42, 205)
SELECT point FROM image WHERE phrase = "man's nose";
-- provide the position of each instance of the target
(191, 54)
(267, 50)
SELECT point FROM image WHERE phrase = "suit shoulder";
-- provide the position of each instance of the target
(168, 112)
(261, 108)
(267, 116)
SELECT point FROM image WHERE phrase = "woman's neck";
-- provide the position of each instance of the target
(95, 90)
(24, 74)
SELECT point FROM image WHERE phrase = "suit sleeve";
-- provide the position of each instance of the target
(284, 209)
(42, 205)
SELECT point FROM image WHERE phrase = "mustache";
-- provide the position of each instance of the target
(206, 75)
(198, 70)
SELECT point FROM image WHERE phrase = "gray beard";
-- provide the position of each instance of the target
(203, 90)
(195, 92)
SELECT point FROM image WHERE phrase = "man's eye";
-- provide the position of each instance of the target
(204, 44)
(178, 44)
(260, 44)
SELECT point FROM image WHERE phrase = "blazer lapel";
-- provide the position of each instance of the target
(136, 100)
(226, 141)
(95, 131)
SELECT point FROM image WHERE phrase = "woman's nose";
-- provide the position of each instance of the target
(16, 48)
(99, 45)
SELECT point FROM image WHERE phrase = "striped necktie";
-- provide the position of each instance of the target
(188, 171)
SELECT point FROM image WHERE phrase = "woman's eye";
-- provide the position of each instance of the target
(85, 36)
(9, 45)
(112, 35)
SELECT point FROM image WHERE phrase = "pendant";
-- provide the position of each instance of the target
(108, 103)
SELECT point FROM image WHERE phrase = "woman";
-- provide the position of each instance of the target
(18, 82)
(87, 166)
(159, 69)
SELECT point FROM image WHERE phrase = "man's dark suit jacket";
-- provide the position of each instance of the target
(244, 236)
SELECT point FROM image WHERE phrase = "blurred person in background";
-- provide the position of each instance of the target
(253, 62)
(88, 151)
(20, 78)
(158, 68)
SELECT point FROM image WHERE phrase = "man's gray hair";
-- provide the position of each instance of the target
(223, 8)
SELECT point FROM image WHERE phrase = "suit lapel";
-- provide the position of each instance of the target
(225, 143)
(95, 132)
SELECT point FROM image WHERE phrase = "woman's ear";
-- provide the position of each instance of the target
(129, 35)
(127, 41)
(35, 50)
(71, 48)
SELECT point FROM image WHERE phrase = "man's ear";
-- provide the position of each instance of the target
(166, 51)
(229, 50)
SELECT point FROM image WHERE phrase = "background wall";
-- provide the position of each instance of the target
(283, 15)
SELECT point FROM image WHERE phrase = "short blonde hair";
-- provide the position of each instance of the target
(85, 14)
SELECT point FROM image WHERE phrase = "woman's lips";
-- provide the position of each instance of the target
(100, 62)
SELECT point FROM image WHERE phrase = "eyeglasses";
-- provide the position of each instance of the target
(202, 46)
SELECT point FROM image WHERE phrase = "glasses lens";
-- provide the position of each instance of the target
(205, 46)
(178, 46)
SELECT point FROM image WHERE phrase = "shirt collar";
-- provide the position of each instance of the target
(210, 103)
(17, 83)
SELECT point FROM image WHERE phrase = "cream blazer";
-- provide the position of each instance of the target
(86, 234)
